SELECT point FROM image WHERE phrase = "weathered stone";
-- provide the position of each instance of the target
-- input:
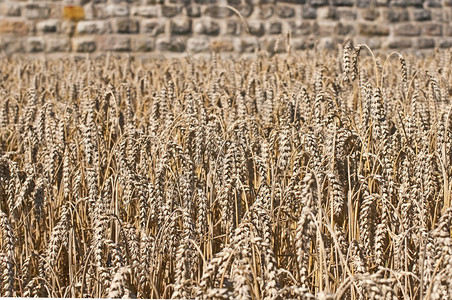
(363, 3)
(448, 30)
(143, 44)
(445, 43)
(208, 27)
(36, 11)
(274, 45)
(84, 44)
(34, 44)
(302, 43)
(115, 43)
(93, 27)
(58, 44)
(382, 2)
(406, 3)
(373, 29)
(10, 9)
(67, 27)
(180, 26)
(245, 10)
(300, 28)
(222, 45)
(327, 43)
(193, 11)
(233, 28)
(126, 25)
(182, 2)
(308, 12)
(345, 29)
(407, 30)
(149, 11)
(170, 44)
(397, 15)
(256, 28)
(170, 11)
(285, 11)
(447, 2)
(422, 15)
(152, 27)
(14, 27)
(327, 13)
(293, 1)
(117, 10)
(218, 12)
(425, 43)
(370, 14)
(274, 28)
(198, 44)
(399, 43)
(319, 3)
(11, 45)
(325, 28)
(432, 29)
(434, 3)
(48, 26)
(347, 14)
(373, 42)
(246, 44)
(265, 12)
(343, 2)
(205, 1)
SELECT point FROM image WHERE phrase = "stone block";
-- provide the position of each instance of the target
(246, 44)
(48, 26)
(193, 11)
(11, 45)
(152, 27)
(302, 43)
(448, 30)
(434, 3)
(222, 45)
(367, 29)
(327, 13)
(36, 11)
(170, 11)
(273, 45)
(407, 30)
(373, 42)
(148, 11)
(425, 43)
(34, 44)
(58, 44)
(180, 26)
(343, 2)
(394, 15)
(422, 15)
(363, 3)
(256, 28)
(308, 12)
(15, 27)
(117, 10)
(345, 29)
(399, 43)
(205, 26)
(285, 11)
(406, 3)
(347, 14)
(245, 10)
(432, 29)
(370, 14)
(84, 44)
(292, 1)
(93, 27)
(328, 43)
(274, 28)
(299, 28)
(143, 44)
(233, 27)
(126, 25)
(10, 9)
(317, 3)
(445, 43)
(265, 12)
(170, 44)
(198, 44)
(115, 43)
(219, 12)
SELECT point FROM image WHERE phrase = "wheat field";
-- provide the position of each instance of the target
(310, 175)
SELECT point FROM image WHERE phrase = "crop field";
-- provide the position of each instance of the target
(310, 175)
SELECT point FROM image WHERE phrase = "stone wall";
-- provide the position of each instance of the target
(236, 26)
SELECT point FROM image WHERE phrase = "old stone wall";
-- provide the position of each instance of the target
(236, 26)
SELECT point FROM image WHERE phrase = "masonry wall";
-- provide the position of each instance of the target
(193, 26)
